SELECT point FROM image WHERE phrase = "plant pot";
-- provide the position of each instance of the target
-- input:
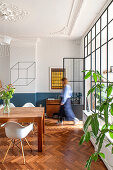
(6, 104)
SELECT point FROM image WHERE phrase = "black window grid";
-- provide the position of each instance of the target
(98, 48)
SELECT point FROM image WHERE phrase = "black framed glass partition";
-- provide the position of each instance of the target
(98, 52)
(73, 70)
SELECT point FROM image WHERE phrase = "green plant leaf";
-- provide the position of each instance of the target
(88, 163)
(82, 140)
(109, 90)
(104, 127)
(98, 74)
(95, 156)
(87, 137)
(109, 144)
(87, 75)
(97, 139)
(112, 150)
(101, 107)
(87, 123)
(111, 110)
(106, 113)
(84, 71)
(104, 131)
(111, 133)
(101, 142)
(95, 77)
(95, 125)
(91, 90)
(102, 155)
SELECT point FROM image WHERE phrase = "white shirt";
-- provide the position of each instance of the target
(66, 93)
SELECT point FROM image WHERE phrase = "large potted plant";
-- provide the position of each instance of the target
(104, 110)
(6, 94)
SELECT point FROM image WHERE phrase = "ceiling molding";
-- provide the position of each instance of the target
(74, 11)
(74, 14)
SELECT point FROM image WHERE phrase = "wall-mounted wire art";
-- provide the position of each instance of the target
(23, 73)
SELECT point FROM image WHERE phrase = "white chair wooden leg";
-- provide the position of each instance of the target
(22, 151)
(28, 143)
(13, 144)
(7, 151)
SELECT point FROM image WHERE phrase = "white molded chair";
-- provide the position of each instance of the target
(28, 105)
(14, 130)
(1, 106)
(12, 105)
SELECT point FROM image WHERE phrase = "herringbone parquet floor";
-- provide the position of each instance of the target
(60, 151)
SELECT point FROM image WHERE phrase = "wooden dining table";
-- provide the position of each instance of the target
(27, 114)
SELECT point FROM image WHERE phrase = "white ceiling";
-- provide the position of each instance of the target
(89, 10)
(60, 18)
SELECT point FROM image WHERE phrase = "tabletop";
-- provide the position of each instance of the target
(19, 112)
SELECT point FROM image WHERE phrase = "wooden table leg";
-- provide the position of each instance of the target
(43, 123)
(40, 135)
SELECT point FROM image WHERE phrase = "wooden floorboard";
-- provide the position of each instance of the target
(61, 150)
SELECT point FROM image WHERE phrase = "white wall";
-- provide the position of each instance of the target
(4, 65)
(82, 47)
(23, 51)
(50, 54)
(46, 52)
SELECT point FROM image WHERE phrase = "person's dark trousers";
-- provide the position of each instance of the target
(68, 110)
(61, 113)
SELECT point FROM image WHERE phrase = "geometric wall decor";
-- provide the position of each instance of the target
(23, 73)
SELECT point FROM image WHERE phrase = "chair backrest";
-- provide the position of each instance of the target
(15, 130)
(1, 106)
(28, 105)
(12, 105)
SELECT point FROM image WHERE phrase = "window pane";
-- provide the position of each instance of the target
(103, 92)
(88, 81)
(86, 41)
(93, 32)
(98, 60)
(93, 98)
(89, 48)
(89, 37)
(110, 12)
(93, 61)
(68, 65)
(98, 27)
(110, 30)
(104, 61)
(104, 20)
(88, 63)
(78, 68)
(71, 84)
(93, 45)
(104, 36)
(98, 41)
(77, 88)
(85, 51)
(110, 61)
